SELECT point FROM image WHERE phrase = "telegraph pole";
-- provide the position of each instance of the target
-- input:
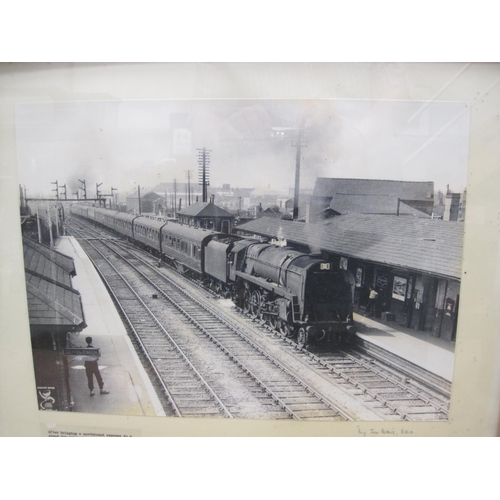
(298, 144)
(65, 195)
(38, 225)
(203, 170)
(188, 175)
(77, 194)
(175, 197)
(50, 226)
(139, 193)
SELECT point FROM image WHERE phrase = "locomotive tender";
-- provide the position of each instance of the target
(298, 294)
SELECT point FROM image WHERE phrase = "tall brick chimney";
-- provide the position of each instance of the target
(451, 206)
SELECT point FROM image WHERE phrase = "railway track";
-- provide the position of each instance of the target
(382, 380)
(208, 368)
(384, 384)
(379, 380)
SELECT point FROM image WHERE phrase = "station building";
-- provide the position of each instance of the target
(55, 309)
(207, 215)
(150, 203)
(414, 263)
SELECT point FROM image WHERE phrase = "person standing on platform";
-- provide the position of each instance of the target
(92, 369)
(370, 307)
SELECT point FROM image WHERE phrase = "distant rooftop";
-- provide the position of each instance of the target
(204, 209)
(372, 204)
(406, 190)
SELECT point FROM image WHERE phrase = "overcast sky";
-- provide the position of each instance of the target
(125, 143)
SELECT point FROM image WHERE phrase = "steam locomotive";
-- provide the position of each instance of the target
(303, 296)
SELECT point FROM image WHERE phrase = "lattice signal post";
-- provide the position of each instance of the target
(56, 189)
(83, 188)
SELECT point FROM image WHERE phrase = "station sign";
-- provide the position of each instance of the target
(94, 352)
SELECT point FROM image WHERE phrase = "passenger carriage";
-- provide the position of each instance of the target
(105, 217)
(124, 224)
(184, 246)
(146, 231)
(80, 210)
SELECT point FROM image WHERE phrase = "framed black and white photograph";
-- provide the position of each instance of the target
(246, 259)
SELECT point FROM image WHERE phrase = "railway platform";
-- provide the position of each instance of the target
(420, 348)
(130, 391)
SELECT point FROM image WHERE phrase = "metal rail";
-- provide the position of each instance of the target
(440, 407)
(160, 326)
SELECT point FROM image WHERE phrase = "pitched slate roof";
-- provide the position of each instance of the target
(424, 245)
(38, 264)
(204, 209)
(372, 204)
(53, 305)
(63, 261)
(52, 301)
(406, 190)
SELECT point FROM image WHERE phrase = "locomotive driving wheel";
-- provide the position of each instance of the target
(302, 337)
(246, 301)
(273, 321)
(255, 303)
(287, 330)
